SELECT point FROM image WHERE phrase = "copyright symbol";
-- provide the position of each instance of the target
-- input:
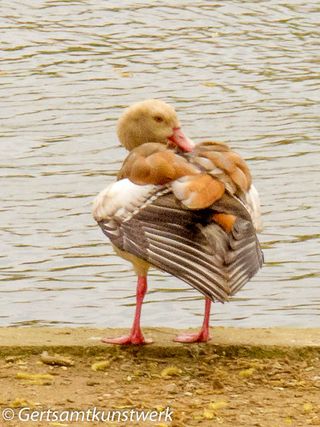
(8, 414)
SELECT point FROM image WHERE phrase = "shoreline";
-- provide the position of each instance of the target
(242, 377)
(253, 342)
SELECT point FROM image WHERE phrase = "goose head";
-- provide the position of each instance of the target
(151, 121)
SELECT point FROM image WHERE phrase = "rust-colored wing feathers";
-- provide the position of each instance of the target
(199, 191)
(153, 163)
(226, 221)
(198, 179)
(218, 160)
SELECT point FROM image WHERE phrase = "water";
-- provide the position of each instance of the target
(244, 73)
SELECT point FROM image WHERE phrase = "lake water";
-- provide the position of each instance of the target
(246, 73)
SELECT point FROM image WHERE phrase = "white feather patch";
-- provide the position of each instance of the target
(120, 199)
(180, 190)
(179, 187)
(253, 206)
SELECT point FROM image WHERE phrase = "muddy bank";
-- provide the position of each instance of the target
(263, 378)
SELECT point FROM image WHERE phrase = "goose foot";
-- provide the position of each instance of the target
(202, 336)
(127, 340)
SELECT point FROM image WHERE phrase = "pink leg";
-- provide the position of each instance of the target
(135, 336)
(203, 335)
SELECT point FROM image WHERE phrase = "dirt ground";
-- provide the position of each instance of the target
(201, 386)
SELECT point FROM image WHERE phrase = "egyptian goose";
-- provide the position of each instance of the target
(190, 210)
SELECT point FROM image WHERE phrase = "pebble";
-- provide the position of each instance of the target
(171, 388)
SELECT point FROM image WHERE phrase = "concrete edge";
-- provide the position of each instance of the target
(226, 342)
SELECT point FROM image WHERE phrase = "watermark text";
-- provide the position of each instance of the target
(27, 414)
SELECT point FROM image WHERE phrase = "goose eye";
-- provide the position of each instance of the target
(158, 119)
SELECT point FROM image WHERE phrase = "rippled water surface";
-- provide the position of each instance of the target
(242, 72)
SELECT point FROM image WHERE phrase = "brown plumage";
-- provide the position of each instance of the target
(154, 163)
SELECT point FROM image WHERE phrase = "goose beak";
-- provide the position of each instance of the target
(180, 140)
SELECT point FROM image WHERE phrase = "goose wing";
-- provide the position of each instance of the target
(189, 244)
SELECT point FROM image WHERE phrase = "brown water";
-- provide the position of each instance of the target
(244, 73)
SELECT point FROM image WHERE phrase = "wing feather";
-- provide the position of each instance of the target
(189, 244)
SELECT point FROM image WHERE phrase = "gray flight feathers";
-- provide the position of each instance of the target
(189, 245)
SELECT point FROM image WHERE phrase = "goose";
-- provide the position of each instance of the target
(188, 209)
